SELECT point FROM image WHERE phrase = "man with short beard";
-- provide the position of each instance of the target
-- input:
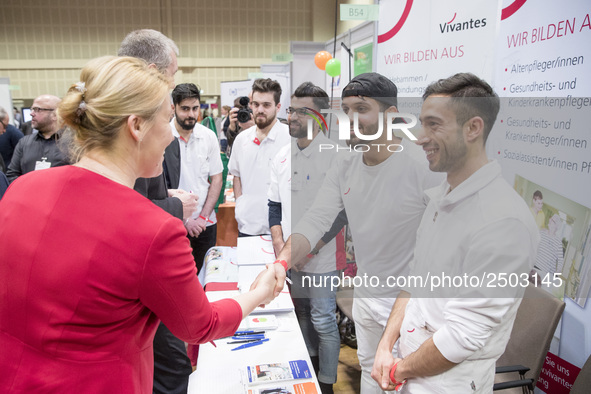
(40, 150)
(382, 191)
(252, 152)
(449, 337)
(199, 161)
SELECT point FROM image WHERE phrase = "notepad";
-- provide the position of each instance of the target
(281, 303)
(255, 250)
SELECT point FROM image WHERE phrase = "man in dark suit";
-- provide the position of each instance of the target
(172, 367)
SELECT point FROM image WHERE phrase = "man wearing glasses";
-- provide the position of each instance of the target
(297, 173)
(40, 150)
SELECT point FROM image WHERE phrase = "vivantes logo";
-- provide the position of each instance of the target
(451, 26)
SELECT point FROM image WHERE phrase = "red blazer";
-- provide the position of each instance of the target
(87, 269)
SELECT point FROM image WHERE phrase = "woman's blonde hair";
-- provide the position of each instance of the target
(110, 90)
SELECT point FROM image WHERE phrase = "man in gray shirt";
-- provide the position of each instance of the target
(40, 150)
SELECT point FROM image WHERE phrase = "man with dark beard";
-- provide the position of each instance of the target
(200, 161)
(382, 191)
(253, 150)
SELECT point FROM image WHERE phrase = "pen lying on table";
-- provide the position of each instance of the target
(248, 337)
(247, 345)
(244, 341)
(239, 333)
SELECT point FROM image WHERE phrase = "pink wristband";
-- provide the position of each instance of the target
(282, 262)
(396, 383)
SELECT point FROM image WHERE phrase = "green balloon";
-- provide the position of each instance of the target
(333, 67)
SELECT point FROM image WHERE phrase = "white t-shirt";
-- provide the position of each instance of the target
(384, 205)
(481, 227)
(200, 159)
(296, 177)
(252, 162)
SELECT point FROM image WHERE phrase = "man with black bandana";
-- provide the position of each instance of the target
(382, 191)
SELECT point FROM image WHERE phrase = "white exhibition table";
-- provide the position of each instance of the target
(221, 370)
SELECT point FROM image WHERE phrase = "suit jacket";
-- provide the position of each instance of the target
(84, 323)
(156, 189)
(172, 164)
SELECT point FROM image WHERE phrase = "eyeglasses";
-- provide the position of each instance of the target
(299, 111)
(3, 125)
(38, 109)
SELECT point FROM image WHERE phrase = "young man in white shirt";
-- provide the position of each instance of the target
(382, 191)
(297, 173)
(252, 152)
(475, 226)
(200, 168)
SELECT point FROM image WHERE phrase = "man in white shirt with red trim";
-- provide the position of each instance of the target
(252, 152)
(200, 170)
(297, 173)
(382, 191)
(475, 228)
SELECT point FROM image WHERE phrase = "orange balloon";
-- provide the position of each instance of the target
(321, 58)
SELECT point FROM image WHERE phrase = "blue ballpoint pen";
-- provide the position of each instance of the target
(249, 337)
(250, 344)
(238, 333)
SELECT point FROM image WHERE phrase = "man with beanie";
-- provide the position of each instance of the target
(382, 191)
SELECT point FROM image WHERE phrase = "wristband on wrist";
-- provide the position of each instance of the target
(282, 262)
(396, 383)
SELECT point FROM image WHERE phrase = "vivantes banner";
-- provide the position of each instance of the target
(542, 141)
(422, 41)
(536, 54)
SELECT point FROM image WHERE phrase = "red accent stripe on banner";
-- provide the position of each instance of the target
(511, 9)
(263, 249)
(386, 36)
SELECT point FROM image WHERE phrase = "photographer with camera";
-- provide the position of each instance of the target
(240, 118)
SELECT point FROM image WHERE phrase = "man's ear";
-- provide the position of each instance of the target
(391, 108)
(474, 128)
(134, 125)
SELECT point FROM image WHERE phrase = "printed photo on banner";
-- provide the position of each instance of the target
(565, 241)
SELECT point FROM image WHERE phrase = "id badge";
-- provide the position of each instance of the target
(43, 164)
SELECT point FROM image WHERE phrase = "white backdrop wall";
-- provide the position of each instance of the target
(529, 50)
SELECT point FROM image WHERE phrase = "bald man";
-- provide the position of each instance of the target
(40, 150)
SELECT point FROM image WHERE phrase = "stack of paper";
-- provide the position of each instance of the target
(255, 250)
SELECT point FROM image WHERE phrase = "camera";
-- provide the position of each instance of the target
(244, 113)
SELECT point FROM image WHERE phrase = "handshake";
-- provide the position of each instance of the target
(270, 282)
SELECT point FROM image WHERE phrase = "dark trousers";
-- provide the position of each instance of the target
(202, 243)
(172, 366)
